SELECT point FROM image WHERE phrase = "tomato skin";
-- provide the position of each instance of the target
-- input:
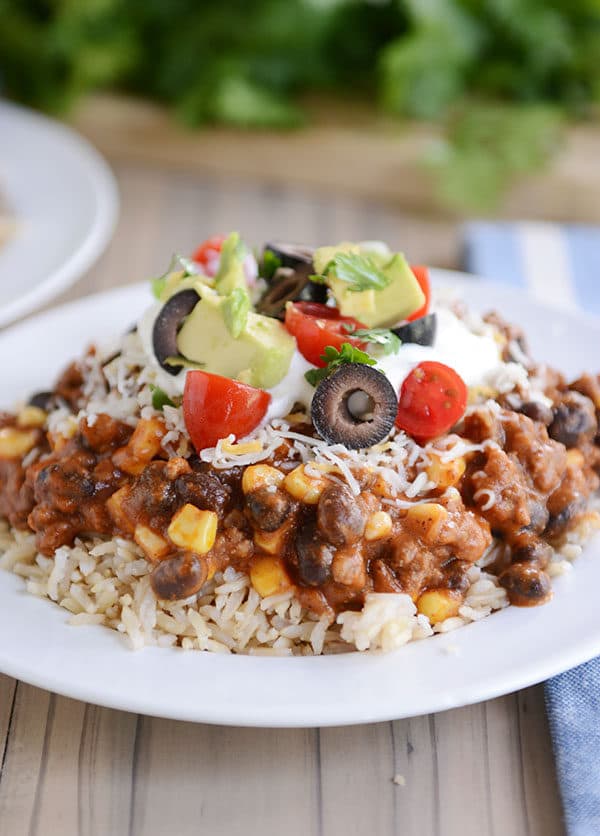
(316, 326)
(207, 255)
(433, 397)
(215, 406)
(422, 276)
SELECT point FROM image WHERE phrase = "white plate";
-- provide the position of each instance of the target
(510, 650)
(64, 200)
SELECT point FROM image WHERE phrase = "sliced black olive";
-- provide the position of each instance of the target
(421, 331)
(355, 406)
(290, 285)
(43, 400)
(167, 325)
(292, 255)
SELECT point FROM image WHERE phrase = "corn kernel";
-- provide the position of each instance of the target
(242, 448)
(154, 546)
(575, 458)
(268, 576)
(193, 529)
(31, 416)
(438, 604)
(306, 486)
(478, 394)
(430, 516)
(261, 476)
(15, 443)
(115, 505)
(445, 474)
(141, 448)
(271, 542)
(379, 525)
(381, 487)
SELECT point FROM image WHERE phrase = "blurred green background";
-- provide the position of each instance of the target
(500, 76)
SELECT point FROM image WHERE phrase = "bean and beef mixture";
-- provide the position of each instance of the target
(526, 485)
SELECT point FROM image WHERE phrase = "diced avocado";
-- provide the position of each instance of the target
(231, 266)
(323, 255)
(260, 355)
(385, 307)
(176, 282)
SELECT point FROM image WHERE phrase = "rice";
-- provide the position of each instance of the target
(112, 588)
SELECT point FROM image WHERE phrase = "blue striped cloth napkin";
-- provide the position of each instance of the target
(560, 264)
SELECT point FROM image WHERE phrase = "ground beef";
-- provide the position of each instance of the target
(16, 496)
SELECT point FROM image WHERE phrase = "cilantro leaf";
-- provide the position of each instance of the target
(382, 337)
(235, 310)
(270, 264)
(189, 267)
(359, 271)
(160, 398)
(348, 353)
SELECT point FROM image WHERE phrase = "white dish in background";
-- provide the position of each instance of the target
(510, 650)
(64, 202)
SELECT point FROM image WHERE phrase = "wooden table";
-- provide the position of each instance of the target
(70, 769)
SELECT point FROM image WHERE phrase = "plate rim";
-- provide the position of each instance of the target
(100, 232)
(585, 649)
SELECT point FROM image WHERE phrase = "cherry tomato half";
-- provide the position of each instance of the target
(422, 276)
(215, 406)
(207, 255)
(316, 326)
(432, 399)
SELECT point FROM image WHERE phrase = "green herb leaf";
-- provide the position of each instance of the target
(359, 271)
(270, 264)
(382, 337)
(235, 310)
(348, 353)
(188, 266)
(160, 398)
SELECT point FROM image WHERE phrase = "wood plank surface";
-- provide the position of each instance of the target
(70, 769)
(347, 147)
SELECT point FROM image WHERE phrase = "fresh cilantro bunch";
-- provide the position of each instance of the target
(246, 62)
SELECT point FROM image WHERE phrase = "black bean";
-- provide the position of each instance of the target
(538, 517)
(536, 552)
(179, 577)
(560, 521)
(537, 411)
(455, 574)
(574, 420)
(526, 585)
(341, 519)
(43, 400)
(204, 490)
(313, 557)
(268, 508)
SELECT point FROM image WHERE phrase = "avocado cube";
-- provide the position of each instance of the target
(386, 307)
(261, 354)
